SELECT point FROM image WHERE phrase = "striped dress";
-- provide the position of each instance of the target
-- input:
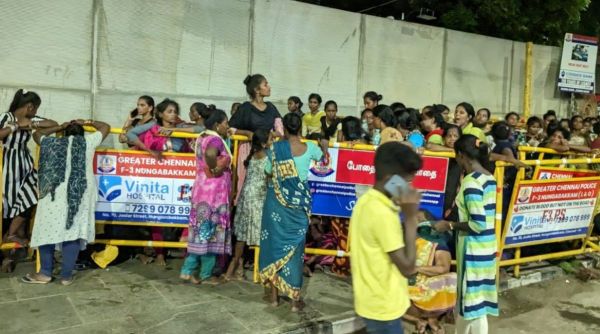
(18, 173)
(476, 249)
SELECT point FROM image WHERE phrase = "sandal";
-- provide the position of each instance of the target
(67, 282)
(145, 259)
(190, 278)
(36, 279)
(421, 327)
(212, 281)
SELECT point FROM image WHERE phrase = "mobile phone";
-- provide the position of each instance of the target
(396, 186)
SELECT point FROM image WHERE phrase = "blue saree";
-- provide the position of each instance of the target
(284, 223)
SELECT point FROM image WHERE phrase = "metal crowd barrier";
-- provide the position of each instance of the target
(587, 246)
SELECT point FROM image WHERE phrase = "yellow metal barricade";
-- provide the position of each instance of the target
(587, 242)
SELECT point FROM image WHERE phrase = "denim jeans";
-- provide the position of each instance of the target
(70, 251)
(384, 327)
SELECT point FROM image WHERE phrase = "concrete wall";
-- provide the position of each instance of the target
(92, 58)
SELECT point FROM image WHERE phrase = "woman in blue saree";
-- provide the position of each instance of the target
(286, 213)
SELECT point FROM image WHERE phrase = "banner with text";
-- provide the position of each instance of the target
(546, 211)
(578, 64)
(336, 183)
(555, 173)
(135, 187)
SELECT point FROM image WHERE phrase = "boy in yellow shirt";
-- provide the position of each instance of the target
(382, 251)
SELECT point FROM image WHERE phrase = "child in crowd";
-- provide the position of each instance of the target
(311, 121)
(382, 248)
(247, 220)
(319, 236)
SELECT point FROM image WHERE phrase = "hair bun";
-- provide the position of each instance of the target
(247, 80)
(379, 97)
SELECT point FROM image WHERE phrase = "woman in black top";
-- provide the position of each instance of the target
(254, 115)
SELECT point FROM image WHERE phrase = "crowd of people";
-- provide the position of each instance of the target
(267, 203)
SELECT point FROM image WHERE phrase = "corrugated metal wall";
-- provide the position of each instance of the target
(92, 58)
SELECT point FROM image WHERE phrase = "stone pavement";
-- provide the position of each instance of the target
(133, 298)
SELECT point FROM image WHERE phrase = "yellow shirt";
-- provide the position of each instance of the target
(475, 131)
(380, 290)
(312, 123)
(390, 134)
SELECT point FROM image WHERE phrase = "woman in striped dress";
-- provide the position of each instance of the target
(18, 173)
(476, 252)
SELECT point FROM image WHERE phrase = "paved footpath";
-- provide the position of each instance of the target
(133, 298)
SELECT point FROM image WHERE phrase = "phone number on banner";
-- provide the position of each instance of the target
(168, 214)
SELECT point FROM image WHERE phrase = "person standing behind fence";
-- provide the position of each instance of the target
(382, 250)
(286, 213)
(200, 112)
(251, 116)
(19, 177)
(385, 121)
(142, 114)
(153, 137)
(311, 121)
(433, 123)
(248, 216)
(371, 100)
(464, 116)
(68, 193)
(295, 105)
(477, 247)
(210, 227)
(331, 125)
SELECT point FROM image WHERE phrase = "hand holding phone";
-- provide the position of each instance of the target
(396, 186)
(407, 197)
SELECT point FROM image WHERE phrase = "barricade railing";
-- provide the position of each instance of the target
(588, 244)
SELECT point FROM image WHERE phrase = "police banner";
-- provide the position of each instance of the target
(551, 210)
(135, 187)
(556, 173)
(337, 182)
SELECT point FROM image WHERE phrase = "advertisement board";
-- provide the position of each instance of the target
(335, 185)
(545, 211)
(578, 64)
(135, 187)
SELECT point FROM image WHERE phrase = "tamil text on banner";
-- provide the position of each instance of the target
(555, 173)
(135, 187)
(578, 64)
(553, 210)
(336, 185)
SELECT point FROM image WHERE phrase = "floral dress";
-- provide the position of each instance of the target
(248, 217)
(209, 228)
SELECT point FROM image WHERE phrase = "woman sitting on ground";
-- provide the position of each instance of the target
(433, 290)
